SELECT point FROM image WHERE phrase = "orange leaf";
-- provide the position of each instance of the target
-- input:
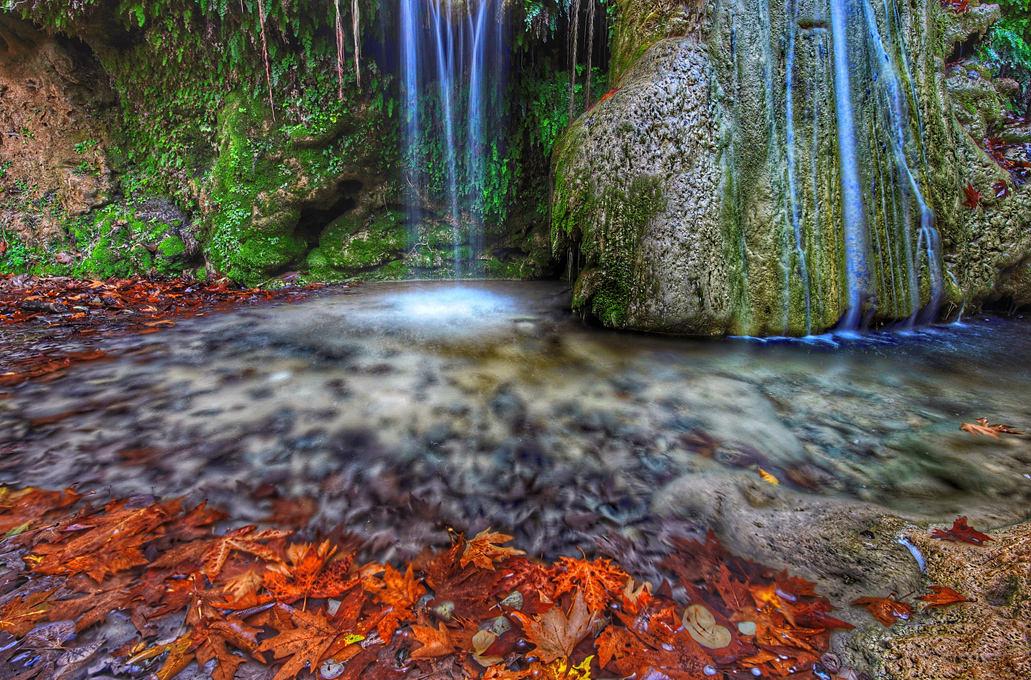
(436, 642)
(304, 644)
(482, 552)
(615, 643)
(597, 580)
(942, 596)
(984, 428)
(887, 610)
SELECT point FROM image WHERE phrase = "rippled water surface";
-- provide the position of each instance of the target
(399, 410)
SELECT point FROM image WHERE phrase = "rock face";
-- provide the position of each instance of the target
(303, 177)
(713, 192)
(51, 105)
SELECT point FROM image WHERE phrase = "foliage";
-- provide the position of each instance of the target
(125, 306)
(1008, 48)
(475, 606)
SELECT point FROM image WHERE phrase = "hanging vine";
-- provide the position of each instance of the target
(264, 58)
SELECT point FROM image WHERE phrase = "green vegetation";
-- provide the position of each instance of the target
(245, 144)
(1008, 48)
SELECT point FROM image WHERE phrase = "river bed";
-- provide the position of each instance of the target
(398, 412)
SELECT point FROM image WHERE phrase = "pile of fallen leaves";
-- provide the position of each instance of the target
(478, 609)
(112, 306)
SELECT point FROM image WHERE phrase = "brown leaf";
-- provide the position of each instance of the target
(942, 596)
(245, 539)
(556, 633)
(887, 610)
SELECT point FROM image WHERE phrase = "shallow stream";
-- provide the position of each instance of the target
(398, 411)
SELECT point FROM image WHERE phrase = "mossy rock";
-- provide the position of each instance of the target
(351, 245)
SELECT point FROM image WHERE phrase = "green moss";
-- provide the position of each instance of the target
(607, 229)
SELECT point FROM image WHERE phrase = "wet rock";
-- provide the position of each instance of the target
(509, 407)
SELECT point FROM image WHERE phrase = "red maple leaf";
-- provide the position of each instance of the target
(962, 532)
(973, 196)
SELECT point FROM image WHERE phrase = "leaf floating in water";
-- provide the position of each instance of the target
(767, 477)
(887, 610)
(981, 427)
(942, 596)
(963, 533)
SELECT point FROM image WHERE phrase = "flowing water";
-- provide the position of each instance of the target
(851, 105)
(452, 65)
(400, 409)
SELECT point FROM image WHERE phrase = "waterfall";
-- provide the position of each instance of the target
(452, 60)
(885, 248)
(855, 228)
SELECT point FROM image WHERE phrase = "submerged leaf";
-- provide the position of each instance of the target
(887, 610)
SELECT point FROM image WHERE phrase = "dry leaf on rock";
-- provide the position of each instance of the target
(942, 596)
(962, 532)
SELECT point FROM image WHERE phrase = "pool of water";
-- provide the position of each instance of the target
(397, 411)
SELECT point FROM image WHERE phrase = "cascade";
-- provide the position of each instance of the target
(452, 60)
(892, 249)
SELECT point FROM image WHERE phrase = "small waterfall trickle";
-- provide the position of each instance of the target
(853, 212)
(452, 58)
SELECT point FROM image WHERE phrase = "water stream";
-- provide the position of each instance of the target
(404, 408)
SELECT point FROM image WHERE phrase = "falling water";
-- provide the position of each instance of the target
(887, 251)
(452, 63)
(856, 246)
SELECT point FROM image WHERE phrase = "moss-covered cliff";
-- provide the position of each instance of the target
(735, 117)
(267, 158)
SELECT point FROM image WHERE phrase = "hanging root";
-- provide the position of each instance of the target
(264, 57)
(574, 18)
(340, 52)
(355, 21)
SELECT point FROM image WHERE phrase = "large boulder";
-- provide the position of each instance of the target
(708, 195)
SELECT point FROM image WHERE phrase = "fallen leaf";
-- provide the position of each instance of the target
(305, 644)
(983, 428)
(435, 642)
(483, 552)
(701, 625)
(767, 477)
(973, 196)
(555, 633)
(962, 532)
(942, 596)
(596, 580)
(887, 610)
(245, 539)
